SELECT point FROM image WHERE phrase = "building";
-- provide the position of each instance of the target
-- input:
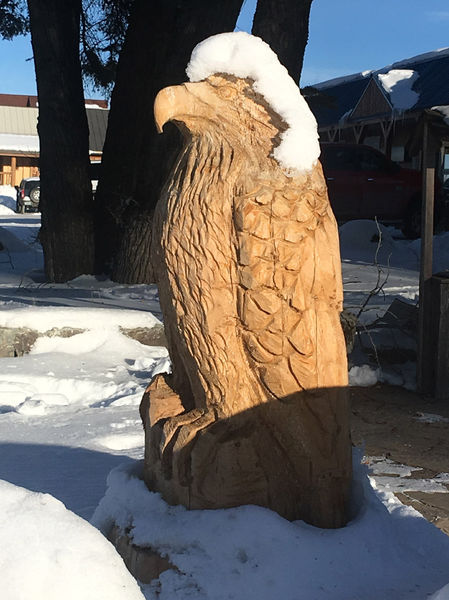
(19, 140)
(389, 109)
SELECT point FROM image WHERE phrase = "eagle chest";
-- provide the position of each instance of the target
(199, 254)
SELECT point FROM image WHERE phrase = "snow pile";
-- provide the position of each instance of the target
(8, 241)
(246, 56)
(44, 318)
(365, 241)
(48, 553)
(96, 368)
(387, 551)
(364, 376)
(359, 243)
(398, 84)
(7, 200)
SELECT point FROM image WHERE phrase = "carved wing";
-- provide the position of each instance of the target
(290, 290)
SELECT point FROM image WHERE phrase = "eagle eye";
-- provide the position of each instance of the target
(227, 92)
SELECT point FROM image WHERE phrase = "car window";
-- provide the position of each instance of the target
(338, 158)
(371, 161)
(29, 185)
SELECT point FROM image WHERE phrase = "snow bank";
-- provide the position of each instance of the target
(387, 551)
(96, 368)
(8, 241)
(364, 376)
(42, 318)
(48, 553)
(246, 56)
(7, 200)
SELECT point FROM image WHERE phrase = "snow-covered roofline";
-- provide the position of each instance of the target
(419, 58)
(246, 56)
(10, 142)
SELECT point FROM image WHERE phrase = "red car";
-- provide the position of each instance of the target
(363, 183)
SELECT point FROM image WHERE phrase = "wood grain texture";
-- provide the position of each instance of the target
(248, 269)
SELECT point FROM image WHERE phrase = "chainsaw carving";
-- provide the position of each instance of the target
(249, 276)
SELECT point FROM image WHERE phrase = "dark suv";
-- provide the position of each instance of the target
(28, 194)
(363, 183)
(29, 190)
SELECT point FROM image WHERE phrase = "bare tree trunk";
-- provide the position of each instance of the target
(66, 196)
(284, 25)
(136, 161)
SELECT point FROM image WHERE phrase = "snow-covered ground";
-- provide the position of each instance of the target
(69, 415)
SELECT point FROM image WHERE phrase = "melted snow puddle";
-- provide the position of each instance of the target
(430, 418)
(396, 477)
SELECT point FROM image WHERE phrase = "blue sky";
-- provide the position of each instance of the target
(346, 36)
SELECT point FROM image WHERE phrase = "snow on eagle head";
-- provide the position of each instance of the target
(237, 77)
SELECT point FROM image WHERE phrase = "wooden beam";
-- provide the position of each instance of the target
(332, 134)
(386, 128)
(13, 170)
(358, 129)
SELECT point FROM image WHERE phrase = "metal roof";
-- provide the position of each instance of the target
(335, 99)
(17, 122)
(97, 120)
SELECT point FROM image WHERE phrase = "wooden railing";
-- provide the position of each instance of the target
(5, 178)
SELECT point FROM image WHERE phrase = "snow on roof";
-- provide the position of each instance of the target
(247, 56)
(419, 58)
(398, 84)
(95, 106)
(18, 128)
(444, 110)
(10, 142)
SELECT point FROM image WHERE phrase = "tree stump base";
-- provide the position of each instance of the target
(193, 459)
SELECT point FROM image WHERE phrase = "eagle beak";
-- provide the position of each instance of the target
(177, 103)
(166, 106)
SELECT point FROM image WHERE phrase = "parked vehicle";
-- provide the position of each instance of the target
(363, 183)
(28, 195)
(28, 192)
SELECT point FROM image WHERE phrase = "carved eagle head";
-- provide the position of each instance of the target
(223, 107)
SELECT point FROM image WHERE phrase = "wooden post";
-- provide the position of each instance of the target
(13, 170)
(425, 367)
(439, 311)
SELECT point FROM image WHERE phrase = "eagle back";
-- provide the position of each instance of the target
(289, 279)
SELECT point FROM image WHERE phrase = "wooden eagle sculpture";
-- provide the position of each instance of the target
(248, 269)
